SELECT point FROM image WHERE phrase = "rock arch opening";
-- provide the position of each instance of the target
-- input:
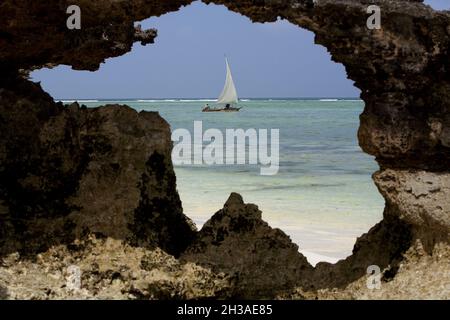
(288, 83)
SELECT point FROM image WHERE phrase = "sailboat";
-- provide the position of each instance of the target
(228, 99)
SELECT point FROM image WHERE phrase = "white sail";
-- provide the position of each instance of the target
(229, 94)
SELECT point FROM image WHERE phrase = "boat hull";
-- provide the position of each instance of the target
(222, 110)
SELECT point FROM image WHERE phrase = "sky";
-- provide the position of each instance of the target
(187, 61)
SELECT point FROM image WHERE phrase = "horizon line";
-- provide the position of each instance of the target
(207, 98)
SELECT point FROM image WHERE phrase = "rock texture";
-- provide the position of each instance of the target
(255, 253)
(67, 171)
(109, 269)
(421, 199)
(235, 255)
(68, 174)
(34, 34)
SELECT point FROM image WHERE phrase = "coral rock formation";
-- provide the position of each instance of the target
(262, 261)
(109, 269)
(68, 173)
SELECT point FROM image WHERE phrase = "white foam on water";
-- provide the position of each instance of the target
(81, 101)
(178, 100)
(195, 100)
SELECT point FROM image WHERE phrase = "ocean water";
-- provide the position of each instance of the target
(322, 197)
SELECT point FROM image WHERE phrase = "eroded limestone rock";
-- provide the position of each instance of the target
(420, 199)
(67, 171)
(109, 269)
(261, 260)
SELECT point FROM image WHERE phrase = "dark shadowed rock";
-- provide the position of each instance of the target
(261, 260)
(67, 171)
(40, 36)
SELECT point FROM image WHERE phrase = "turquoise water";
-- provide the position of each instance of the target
(323, 195)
